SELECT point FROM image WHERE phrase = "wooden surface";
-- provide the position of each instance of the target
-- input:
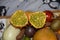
(1, 17)
(54, 11)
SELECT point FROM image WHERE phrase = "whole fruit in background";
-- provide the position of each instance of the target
(26, 38)
(29, 31)
(19, 19)
(49, 15)
(45, 34)
(37, 19)
(55, 25)
(10, 33)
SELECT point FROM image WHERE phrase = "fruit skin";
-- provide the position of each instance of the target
(55, 25)
(26, 38)
(45, 34)
(20, 35)
(58, 35)
(58, 32)
(49, 15)
(10, 33)
(30, 31)
(28, 13)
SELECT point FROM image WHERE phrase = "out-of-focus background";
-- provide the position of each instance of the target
(33, 5)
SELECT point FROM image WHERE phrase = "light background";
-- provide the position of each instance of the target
(13, 5)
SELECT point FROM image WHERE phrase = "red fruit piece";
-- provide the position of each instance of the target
(49, 15)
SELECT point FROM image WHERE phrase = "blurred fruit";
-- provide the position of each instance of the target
(45, 34)
(47, 24)
(55, 25)
(20, 35)
(10, 33)
(29, 31)
(49, 15)
(58, 35)
(58, 31)
(28, 13)
(19, 19)
(37, 19)
(26, 38)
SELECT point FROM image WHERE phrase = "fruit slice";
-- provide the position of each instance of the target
(19, 19)
(37, 19)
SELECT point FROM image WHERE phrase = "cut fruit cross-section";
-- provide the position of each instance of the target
(37, 19)
(19, 19)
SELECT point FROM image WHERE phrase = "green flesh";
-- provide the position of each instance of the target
(37, 20)
(19, 19)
